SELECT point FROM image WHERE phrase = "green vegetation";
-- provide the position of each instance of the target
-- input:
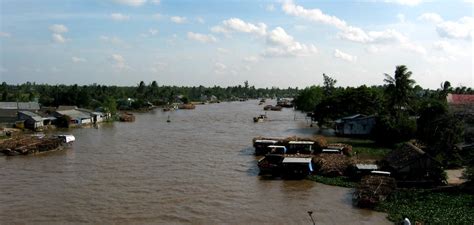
(334, 181)
(363, 148)
(430, 207)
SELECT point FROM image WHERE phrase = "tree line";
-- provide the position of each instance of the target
(114, 97)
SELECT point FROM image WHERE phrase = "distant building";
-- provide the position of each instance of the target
(355, 125)
(9, 110)
(462, 106)
(409, 163)
(66, 107)
(76, 117)
(31, 120)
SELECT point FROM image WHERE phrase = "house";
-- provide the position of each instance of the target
(76, 117)
(355, 125)
(31, 120)
(410, 164)
(9, 110)
(97, 117)
(462, 106)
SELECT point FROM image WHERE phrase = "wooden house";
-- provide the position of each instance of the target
(410, 164)
(356, 125)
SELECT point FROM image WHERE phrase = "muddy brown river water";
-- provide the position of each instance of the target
(198, 169)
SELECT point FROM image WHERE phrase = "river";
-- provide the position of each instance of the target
(198, 169)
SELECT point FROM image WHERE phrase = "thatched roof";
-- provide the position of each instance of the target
(403, 156)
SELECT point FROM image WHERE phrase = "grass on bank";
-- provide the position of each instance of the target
(429, 207)
(334, 181)
(363, 148)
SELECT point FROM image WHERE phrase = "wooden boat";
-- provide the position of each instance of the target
(260, 118)
(276, 108)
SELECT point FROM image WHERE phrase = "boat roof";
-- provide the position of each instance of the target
(68, 137)
(276, 146)
(297, 160)
(335, 147)
(366, 166)
(378, 172)
(301, 142)
(266, 141)
(331, 150)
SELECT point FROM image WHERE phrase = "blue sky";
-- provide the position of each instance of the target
(269, 43)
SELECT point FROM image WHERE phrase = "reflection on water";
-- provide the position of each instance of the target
(198, 169)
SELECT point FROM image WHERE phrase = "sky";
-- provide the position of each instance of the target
(282, 43)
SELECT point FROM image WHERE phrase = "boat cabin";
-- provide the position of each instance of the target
(261, 146)
(359, 170)
(302, 147)
(270, 164)
(298, 168)
(277, 149)
(67, 138)
(380, 173)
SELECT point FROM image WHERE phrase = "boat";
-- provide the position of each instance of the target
(296, 167)
(35, 144)
(276, 108)
(261, 146)
(271, 164)
(260, 118)
(267, 107)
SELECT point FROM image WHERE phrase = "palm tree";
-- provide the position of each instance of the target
(399, 88)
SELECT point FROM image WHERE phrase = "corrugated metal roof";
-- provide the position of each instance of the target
(296, 160)
(266, 141)
(301, 142)
(20, 105)
(33, 115)
(367, 166)
(74, 114)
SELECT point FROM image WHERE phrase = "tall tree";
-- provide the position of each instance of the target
(329, 84)
(399, 88)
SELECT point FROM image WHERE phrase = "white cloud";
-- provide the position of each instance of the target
(251, 59)
(238, 25)
(223, 50)
(431, 17)
(462, 29)
(270, 8)
(201, 37)
(283, 44)
(131, 2)
(200, 20)
(58, 38)
(351, 33)
(178, 19)
(156, 2)
(119, 17)
(401, 18)
(152, 31)
(77, 59)
(406, 2)
(344, 56)
(219, 68)
(3, 69)
(157, 16)
(119, 62)
(58, 28)
(300, 27)
(113, 40)
(5, 34)
(55, 69)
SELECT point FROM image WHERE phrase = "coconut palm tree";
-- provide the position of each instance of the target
(399, 88)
